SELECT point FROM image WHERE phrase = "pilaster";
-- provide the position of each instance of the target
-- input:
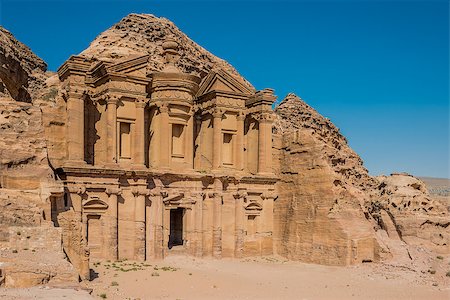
(139, 218)
(75, 127)
(139, 135)
(240, 142)
(111, 142)
(217, 138)
(113, 247)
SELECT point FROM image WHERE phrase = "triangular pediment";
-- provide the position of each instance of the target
(221, 81)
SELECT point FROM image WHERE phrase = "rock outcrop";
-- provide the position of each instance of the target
(330, 210)
(140, 34)
(30, 246)
(320, 215)
(21, 71)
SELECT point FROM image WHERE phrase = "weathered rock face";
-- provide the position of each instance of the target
(330, 209)
(23, 146)
(140, 34)
(21, 71)
(319, 215)
(30, 247)
(417, 217)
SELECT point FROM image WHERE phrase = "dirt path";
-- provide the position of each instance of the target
(180, 277)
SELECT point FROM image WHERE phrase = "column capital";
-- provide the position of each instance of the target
(241, 116)
(215, 194)
(113, 191)
(140, 102)
(240, 194)
(163, 107)
(140, 191)
(265, 117)
(217, 113)
(77, 189)
(269, 195)
(112, 99)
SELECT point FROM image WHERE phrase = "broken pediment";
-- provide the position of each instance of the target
(95, 204)
(253, 206)
(221, 81)
(133, 65)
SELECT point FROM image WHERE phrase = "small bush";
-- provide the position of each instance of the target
(432, 271)
(19, 233)
(155, 274)
(15, 251)
(103, 296)
(448, 274)
(114, 283)
(439, 257)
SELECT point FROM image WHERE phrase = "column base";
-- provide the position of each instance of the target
(75, 163)
(139, 166)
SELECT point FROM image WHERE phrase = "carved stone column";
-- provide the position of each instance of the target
(139, 219)
(159, 228)
(139, 136)
(189, 141)
(239, 224)
(240, 142)
(111, 140)
(113, 247)
(165, 135)
(265, 120)
(75, 127)
(76, 197)
(217, 139)
(217, 219)
(267, 213)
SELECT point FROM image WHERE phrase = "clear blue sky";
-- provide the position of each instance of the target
(378, 69)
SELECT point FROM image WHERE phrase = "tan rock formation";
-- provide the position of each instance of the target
(30, 247)
(140, 34)
(319, 216)
(417, 217)
(21, 71)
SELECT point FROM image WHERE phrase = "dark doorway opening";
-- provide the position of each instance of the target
(176, 227)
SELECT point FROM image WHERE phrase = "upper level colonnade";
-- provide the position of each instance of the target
(123, 115)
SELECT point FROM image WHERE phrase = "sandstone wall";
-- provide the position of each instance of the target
(315, 220)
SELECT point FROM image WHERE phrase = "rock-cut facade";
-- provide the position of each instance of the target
(161, 161)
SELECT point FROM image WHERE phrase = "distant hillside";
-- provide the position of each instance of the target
(437, 186)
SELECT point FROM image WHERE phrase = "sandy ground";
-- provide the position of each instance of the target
(181, 277)
(44, 293)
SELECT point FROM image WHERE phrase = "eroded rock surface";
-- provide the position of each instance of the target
(21, 71)
(140, 34)
(30, 247)
(325, 188)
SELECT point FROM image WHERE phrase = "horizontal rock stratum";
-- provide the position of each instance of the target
(145, 144)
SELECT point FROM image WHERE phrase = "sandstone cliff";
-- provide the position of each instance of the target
(141, 34)
(30, 247)
(329, 204)
(21, 71)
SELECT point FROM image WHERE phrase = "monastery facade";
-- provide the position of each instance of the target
(157, 162)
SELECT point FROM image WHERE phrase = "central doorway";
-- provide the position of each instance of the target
(176, 227)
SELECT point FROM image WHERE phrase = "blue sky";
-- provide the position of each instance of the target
(378, 69)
